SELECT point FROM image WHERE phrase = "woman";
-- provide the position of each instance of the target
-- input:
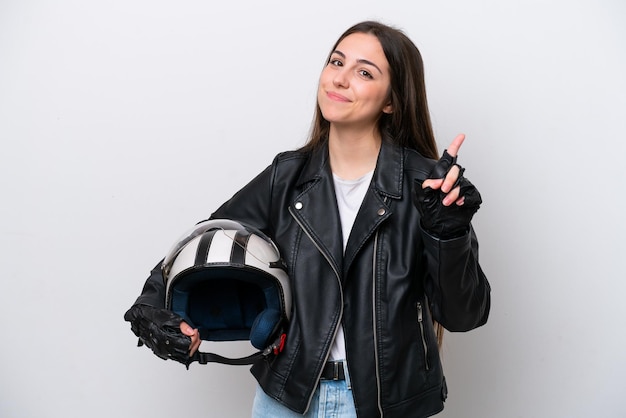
(377, 238)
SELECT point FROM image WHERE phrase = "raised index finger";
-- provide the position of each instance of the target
(454, 147)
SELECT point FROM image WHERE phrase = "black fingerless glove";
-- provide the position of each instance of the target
(159, 330)
(446, 222)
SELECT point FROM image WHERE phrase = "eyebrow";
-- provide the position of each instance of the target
(360, 61)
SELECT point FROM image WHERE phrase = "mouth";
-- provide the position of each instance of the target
(336, 97)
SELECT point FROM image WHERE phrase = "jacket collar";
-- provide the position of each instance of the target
(375, 209)
(387, 178)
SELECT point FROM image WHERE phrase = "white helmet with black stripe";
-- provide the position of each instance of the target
(228, 280)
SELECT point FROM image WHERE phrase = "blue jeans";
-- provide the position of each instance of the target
(332, 398)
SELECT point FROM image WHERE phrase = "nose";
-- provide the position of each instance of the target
(341, 78)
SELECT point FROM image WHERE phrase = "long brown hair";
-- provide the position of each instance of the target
(409, 124)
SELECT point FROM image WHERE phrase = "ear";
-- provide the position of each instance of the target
(388, 108)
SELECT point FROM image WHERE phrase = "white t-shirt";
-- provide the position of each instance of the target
(349, 194)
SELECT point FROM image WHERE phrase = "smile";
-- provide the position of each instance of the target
(337, 97)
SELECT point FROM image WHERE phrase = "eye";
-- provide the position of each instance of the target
(336, 62)
(365, 74)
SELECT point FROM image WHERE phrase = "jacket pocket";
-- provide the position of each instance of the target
(420, 321)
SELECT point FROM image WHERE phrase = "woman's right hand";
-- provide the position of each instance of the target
(192, 333)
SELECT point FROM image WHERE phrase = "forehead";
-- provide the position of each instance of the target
(365, 46)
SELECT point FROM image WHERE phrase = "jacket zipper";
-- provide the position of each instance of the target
(420, 320)
(374, 321)
(308, 405)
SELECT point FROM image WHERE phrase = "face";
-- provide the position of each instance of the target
(354, 87)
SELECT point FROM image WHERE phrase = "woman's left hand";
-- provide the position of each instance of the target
(446, 184)
(446, 200)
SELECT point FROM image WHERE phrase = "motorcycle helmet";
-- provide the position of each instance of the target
(228, 280)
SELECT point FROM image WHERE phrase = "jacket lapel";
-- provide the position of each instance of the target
(316, 207)
(316, 211)
(376, 207)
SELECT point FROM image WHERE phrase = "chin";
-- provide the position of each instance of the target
(334, 113)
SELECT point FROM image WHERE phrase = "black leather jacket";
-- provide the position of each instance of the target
(380, 289)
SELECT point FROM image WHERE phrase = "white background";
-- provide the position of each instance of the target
(124, 122)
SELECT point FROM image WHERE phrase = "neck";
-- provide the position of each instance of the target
(353, 154)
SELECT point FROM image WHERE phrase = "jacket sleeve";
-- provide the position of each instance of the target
(252, 204)
(153, 293)
(457, 288)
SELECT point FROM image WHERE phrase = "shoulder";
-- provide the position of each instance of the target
(288, 166)
(290, 161)
(293, 156)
